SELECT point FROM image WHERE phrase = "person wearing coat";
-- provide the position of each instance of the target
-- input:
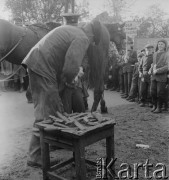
(144, 67)
(74, 95)
(131, 59)
(55, 60)
(158, 73)
(135, 85)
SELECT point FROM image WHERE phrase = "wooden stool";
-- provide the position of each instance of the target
(76, 142)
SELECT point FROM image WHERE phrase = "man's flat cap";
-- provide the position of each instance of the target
(71, 18)
(149, 46)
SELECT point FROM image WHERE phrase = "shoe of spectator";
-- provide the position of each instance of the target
(132, 100)
(158, 110)
(125, 96)
(113, 89)
(150, 105)
(128, 98)
(118, 90)
(21, 89)
(142, 104)
(154, 108)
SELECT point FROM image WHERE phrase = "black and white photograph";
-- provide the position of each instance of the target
(84, 89)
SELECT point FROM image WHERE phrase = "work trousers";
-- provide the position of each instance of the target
(157, 91)
(127, 82)
(145, 91)
(121, 82)
(134, 90)
(46, 101)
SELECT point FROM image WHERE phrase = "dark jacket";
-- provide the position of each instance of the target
(130, 64)
(61, 51)
(136, 70)
(145, 65)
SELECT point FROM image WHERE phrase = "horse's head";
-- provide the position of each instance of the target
(117, 34)
(5, 28)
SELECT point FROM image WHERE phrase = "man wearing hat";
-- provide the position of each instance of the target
(57, 58)
(71, 19)
(134, 91)
(145, 77)
(74, 95)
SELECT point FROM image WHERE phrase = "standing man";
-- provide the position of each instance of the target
(73, 97)
(131, 59)
(144, 67)
(55, 59)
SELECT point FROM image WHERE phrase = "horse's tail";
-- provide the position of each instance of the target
(98, 56)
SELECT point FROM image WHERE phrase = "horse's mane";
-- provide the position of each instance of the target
(98, 58)
(47, 26)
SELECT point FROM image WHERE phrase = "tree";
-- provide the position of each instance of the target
(154, 23)
(82, 8)
(36, 10)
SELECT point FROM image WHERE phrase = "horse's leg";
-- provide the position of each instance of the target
(97, 98)
(103, 104)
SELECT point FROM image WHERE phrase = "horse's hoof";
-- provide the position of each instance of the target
(104, 110)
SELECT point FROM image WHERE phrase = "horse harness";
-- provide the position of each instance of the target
(16, 45)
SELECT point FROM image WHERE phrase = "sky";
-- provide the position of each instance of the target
(138, 7)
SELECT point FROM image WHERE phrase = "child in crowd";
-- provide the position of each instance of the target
(134, 91)
(158, 71)
(144, 67)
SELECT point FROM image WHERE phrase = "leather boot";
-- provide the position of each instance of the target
(154, 108)
(21, 88)
(154, 102)
(34, 154)
(158, 109)
(165, 106)
(142, 104)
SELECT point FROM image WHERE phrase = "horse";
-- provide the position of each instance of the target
(17, 41)
(99, 59)
(117, 34)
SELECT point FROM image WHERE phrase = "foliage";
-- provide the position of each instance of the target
(33, 11)
(154, 23)
(82, 8)
(36, 10)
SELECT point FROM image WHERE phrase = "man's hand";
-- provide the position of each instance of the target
(110, 76)
(80, 73)
(140, 74)
(154, 71)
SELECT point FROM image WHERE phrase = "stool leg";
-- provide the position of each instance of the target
(80, 165)
(44, 155)
(110, 152)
